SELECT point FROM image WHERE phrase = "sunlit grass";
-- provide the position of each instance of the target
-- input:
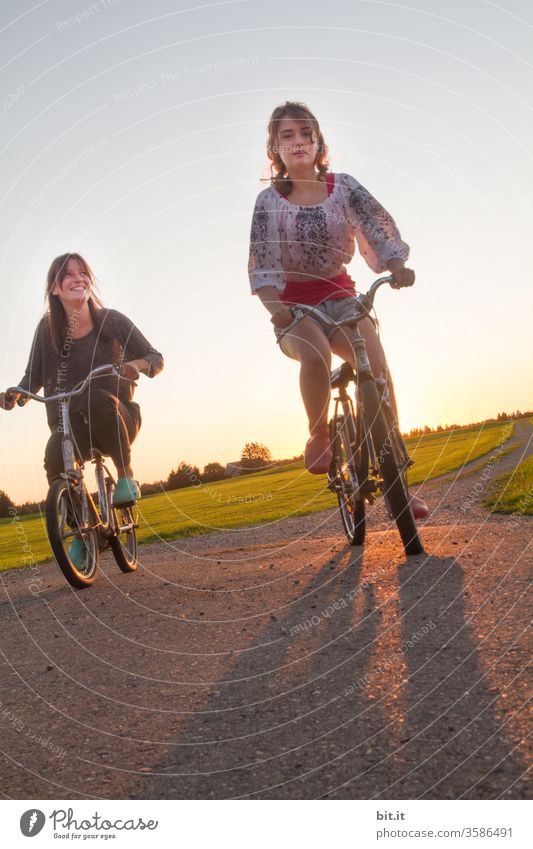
(437, 454)
(513, 492)
(253, 500)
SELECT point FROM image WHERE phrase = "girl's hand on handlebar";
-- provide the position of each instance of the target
(130, 370)
(8, 400)
(282, 317)
(401, 276)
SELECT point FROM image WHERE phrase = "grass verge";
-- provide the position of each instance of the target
(259, 499)
(513, 492)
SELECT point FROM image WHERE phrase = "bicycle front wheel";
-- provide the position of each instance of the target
(344, 480)
(124, 543)
(74, 544)
(394, 487)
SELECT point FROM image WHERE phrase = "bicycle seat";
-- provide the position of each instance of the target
(341, 376)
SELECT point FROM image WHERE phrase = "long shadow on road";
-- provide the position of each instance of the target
(456, 747)
(369, 688)
(272, 718)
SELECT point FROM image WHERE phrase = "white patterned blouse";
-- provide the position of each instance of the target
(297, 243)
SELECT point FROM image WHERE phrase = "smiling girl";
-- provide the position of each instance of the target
(76, 335)
(304, 230)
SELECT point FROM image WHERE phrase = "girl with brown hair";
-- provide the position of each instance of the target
(304, 230)
(76, 335)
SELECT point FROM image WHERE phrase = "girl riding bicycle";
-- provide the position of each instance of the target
(76, 335)
(304, 229)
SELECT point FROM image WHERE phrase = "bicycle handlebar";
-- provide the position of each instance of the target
(363, 305)
(78, 390)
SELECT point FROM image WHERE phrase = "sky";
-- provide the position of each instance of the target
(135, 134)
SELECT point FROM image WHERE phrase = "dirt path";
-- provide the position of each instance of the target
(278, 663)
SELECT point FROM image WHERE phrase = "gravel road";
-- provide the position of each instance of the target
(276, 662)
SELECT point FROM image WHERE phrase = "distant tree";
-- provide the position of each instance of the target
(5, 504)
(30, 507)
(255, 455)
(184, 475)
(150, 488)
(213, 472)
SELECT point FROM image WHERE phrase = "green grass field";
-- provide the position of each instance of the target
(513, 492)
(436, 454)
(255, 499)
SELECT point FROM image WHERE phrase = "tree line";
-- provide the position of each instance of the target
(501, 417)
(254, 457)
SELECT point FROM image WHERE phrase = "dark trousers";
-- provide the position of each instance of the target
(104, 423)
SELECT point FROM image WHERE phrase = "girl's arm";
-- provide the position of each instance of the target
(374, 228)
(133, 368)
(33, 377)
(281, 314)
(139, 356)
(264, 265)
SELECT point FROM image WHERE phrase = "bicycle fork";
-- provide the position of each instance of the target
(354, 441)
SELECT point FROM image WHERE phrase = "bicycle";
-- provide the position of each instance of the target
(369, 453)
(70, 509)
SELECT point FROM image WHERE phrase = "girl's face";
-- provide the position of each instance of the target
(296, 144)
(75, 288)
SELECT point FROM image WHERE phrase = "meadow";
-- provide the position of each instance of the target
(257, 499)
(513, 492)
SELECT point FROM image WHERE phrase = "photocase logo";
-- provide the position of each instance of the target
(32, 822)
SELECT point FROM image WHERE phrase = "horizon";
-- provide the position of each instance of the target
(425, 430)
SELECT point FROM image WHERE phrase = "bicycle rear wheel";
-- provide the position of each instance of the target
(124, 543)
(394, 487)
(344, 480)
(65, 528)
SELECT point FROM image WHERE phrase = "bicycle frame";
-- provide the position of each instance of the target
(340, 379)
(70, 509)
(101, 518)
(368, 451)
(363, 305)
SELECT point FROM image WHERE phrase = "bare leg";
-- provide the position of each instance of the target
(307, 344)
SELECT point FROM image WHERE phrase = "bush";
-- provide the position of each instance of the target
(184, 475)
(213, 472)
(255, 456)
(5, 505)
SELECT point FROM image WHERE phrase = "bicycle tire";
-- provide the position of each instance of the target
(394, 488)
(63, 510)
(352, 510)
(397, 451)
(125, 555)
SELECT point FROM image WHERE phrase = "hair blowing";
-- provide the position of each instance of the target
(55, 314)
(299, 112)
